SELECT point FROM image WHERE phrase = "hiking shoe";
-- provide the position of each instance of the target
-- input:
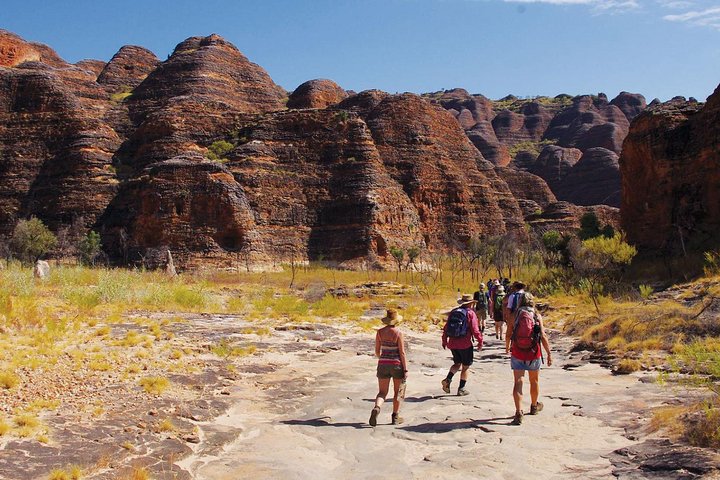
(517, 420)
(396, 419)
(535, 409)
(462, 392)
(446, 385)
(373, 416)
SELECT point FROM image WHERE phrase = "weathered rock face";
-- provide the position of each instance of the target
(565, 217)
(128, 67)
(531, 191)
(206, 79)
(518, 133)
(671, 183)
(631, 104)
(593, 180)
(128, 145)
(55, 149)
(15, 51)
(186, 203)
(319, 93)
(589, 123)
(341, 185)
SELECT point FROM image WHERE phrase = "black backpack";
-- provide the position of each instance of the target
(457, 324)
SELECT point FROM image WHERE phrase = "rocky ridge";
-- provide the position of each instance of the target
(198, 154)
(547, 136)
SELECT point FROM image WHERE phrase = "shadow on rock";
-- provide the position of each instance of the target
(444, 427)
(324, 422)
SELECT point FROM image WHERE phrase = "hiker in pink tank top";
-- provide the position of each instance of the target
(390, 350)
(524, 339)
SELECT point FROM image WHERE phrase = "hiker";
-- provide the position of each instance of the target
(498, 311)
(390, 350)
(481, 306)
(513, 300)
(525, 336)
(492, 291)
(458, 333)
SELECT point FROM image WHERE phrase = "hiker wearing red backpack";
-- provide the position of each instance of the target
(458, 333)
(525, 336)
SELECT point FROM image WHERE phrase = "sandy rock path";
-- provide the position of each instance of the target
(303, 412)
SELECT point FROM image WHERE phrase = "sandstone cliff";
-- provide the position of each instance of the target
(547, 136)
(671, 186)
(197, 154)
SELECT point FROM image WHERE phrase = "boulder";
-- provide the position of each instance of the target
(319, 93)
(631, 104)
(41, 270)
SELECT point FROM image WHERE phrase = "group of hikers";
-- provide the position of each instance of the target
(516, 321)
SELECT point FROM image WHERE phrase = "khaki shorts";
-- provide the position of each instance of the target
(390, 371)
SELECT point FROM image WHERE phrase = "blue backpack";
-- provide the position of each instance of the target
(457, 324)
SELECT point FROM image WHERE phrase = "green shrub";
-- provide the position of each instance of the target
(645, 291)
(31, 239)
(218, 149)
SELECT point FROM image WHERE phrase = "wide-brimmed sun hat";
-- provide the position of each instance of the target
(500, 289)
(392, 317)
(465, 299)
(481, 287)
(518, 285)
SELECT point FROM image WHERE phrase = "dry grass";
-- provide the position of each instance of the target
(154, 385)
(8, 380)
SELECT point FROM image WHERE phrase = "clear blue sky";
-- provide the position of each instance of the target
(660, 48)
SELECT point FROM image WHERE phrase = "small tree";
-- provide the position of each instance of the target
(398, 255)
(89, 247)
(555, 248)
(600, 260)
(412, 254)
(31, 239)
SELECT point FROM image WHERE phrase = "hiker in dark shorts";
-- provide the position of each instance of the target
(390, 350)
(525, 351)
(460, 341)
(481, 306)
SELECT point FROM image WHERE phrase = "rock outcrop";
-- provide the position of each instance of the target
(319, 93)
(565, 217)
(546, 136)
(531, 191)
(55, 149)
(670, 176)
(593, 180)
(127, 68)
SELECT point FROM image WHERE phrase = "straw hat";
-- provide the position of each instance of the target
(481, 287)
(465, 299)
(500, 289)
(391, 317)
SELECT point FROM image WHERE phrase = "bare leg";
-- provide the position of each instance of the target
(518, 389)
(396, 401)
(383, 387)
(464, 374)
(534, 376)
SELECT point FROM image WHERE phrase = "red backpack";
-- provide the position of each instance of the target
(526, 333)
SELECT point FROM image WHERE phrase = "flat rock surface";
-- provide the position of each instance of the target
(298, 408)
(307, 417)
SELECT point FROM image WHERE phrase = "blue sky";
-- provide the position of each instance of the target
(660, 48)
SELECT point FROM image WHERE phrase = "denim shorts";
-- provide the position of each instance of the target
(530, 365)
